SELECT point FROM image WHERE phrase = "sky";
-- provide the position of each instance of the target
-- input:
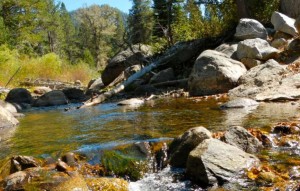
(123, 5)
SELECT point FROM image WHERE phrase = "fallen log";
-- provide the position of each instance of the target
(179, 53)
(170, 83)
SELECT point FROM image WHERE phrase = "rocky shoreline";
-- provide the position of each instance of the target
(263, 65)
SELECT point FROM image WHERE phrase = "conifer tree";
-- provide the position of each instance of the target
(140, 22)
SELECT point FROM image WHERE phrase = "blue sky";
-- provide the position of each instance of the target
(123, 5)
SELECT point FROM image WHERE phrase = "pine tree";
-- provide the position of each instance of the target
(140, 22)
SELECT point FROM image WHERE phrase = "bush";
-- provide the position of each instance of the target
(49, 66)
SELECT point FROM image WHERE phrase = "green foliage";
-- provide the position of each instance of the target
(140, 22)
(49, 66)
(88, 58)
(262, 9)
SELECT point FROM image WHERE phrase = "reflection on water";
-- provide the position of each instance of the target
(47, 131)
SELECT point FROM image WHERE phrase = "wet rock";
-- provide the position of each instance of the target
(132, 101)
(19, 96)
(163, 76)
(52, 98)
(181, 146)
(214, 73)
(123, 60)
(214, 162)
(16, 181)
(74, 95)
(62, 166)
(112, 184)
(41, 90)
(286, 128)
(144, 147)
(241, 138)
(69, 158)
(284, 23)
(256, 49)
(250, 62)
(249, 29)
(20, 163)
(7, 119)
(229, 49)
(240, 103)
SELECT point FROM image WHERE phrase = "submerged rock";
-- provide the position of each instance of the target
(240, 103)
(214, 162)
(214, 73)
(111, 184)
(185, 143)
(241, 138)
(132, 102)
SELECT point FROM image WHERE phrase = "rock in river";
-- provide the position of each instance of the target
(52, 98)
(214, 162)
(240, 103)
(185, 143)
(241, 138)
(7, 119)
(132, 102)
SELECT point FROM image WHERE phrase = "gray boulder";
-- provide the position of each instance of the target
(185, 143)
(249, 29)
(19, 96)
(52, 98)
(268, 82)
(132, 101)
(7, 119)
(123, 60)
(228, 48)
(240, 103)
(214, 73)
(163, 76)
(256, 49)
(215, 162)
(241, 138)
(284, 23)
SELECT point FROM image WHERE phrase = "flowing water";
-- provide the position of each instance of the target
(49, 131)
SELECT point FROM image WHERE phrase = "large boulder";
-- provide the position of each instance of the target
(19, 96)
(241, 138)
(256, 49)
(249, 29)
(284, 23)
(6, 118)
(267, 82)
(185, 143)
(52, 98)
(163, 76)
(215, 162)
(123, 60)
(214, 73)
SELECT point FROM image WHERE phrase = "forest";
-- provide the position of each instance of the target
(41, 39)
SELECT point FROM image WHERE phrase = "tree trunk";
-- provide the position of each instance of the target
(242, 9)
(290, 8)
